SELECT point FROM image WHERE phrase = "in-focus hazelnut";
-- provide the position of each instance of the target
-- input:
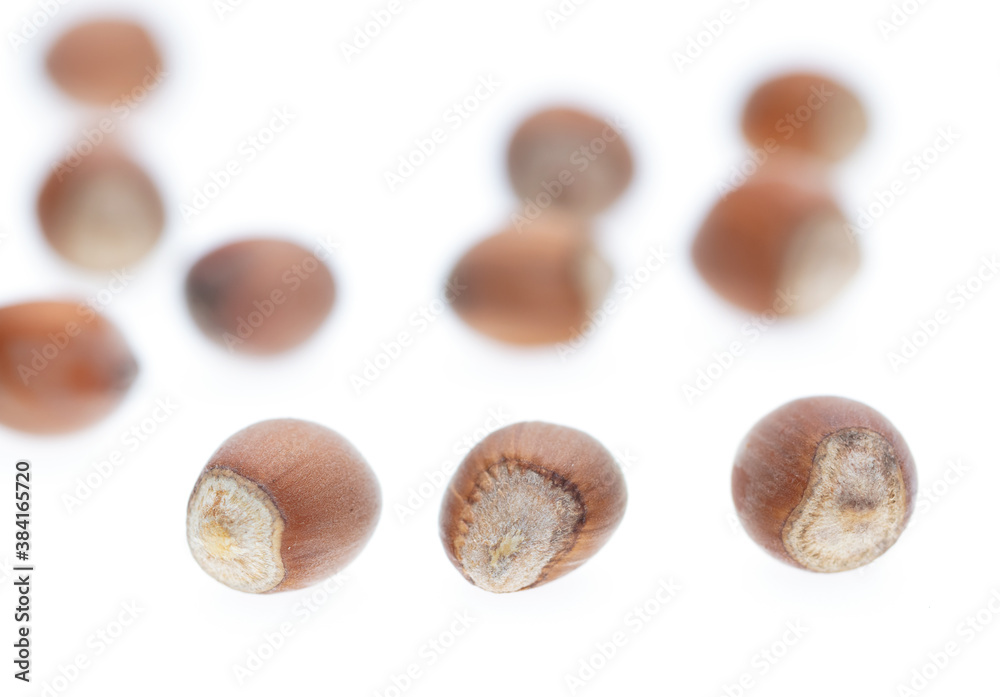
(779, 242)
(260, 296)
(104, 61)
(531, 286)
(825, 484)
(282, 505)
(60, 369)
(530, 503)
(571, 159)
(102, 211)
(808, 112)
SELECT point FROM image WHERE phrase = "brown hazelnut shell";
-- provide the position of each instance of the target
(775, 470)
(326, 499)
(580, 471)
(531, 286)
(62, 367)
(103, 61)
(583, 160)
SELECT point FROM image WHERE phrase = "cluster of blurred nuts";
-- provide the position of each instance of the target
(536, 281)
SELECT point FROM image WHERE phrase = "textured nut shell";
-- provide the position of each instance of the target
(102, 61)
(833, 129)
(223, 286)
(774, 462)
(743, 247)
(573, 456)
(533, 286)
(83, 383)
(549, 143)
(103, 213)
(327, 495)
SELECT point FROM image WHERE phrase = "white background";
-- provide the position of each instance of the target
(866, 631)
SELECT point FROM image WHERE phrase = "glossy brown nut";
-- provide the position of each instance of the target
(825, 484)
(531, 286)
(778, 243)
(62, 367)
(260, 296)
(282, 505)
(530, 503)
(101, 212)
(570, 159)
(104, 61)
(807, 112)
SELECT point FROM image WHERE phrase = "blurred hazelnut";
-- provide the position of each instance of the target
(825, 484)
(571, 159)
(530, 503)
(260, 296)
(101, 212)
(62, 367)
(104, 61)
(531, 286)
(282, 505)
(808, 112)
(779, 242)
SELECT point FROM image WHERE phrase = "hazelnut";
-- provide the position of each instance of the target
(569, 158)
(281, 505)
(104, 61)
(102, 212)
(531, 286)
(779, 242)
(530, 503)
(825, 484)
(260, 296)
(62, 367)
(807, 112)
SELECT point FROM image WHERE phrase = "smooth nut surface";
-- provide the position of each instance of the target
(61, 368)
(281, 505)
(531, 286)
(826, 484)
(104, 61)
(530, 503)
(570, 159)
(102, 212)
(260, 296)
(779, 242)
(808, 112)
